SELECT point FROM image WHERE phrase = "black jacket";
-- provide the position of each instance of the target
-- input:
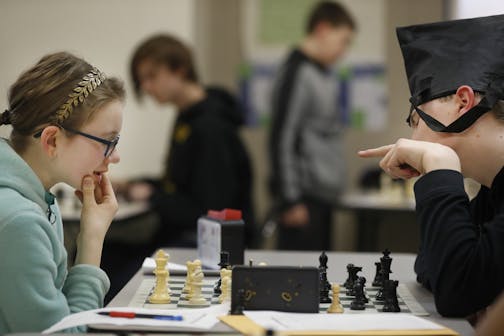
(207, 168)
(461, 257)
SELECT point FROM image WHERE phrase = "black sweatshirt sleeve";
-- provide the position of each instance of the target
(210, 180)
(461, 264)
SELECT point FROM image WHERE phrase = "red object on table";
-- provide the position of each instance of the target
(225, 215)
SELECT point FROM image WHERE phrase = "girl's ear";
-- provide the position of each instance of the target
(48, 140)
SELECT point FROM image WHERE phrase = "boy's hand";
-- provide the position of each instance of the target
(410, 158)
(139, 191)
(296, 216)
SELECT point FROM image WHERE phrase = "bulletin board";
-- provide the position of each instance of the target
(361, 96)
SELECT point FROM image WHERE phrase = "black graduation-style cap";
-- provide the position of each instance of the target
(440, 57)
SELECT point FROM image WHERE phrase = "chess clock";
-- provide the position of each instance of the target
(221, 231)
(280, 288)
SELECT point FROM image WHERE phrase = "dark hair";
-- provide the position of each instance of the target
(167, 50)
(39, 93)
(330, 12)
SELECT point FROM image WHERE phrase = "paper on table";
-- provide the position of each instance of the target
(150, 264)
(196, 318)
(341, 322)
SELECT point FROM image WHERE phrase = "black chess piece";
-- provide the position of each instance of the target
(237, 309)
(359, 301)
(386, 262)
(323, 287)
(323, 260)
(363, 281)
(352, 276)
(377, 282)
(224, 263)
(323, 269)
(390, 292)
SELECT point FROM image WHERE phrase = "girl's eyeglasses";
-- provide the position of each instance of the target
(110, 145)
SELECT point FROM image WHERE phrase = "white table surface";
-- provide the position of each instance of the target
(376, 201)
(70, 212)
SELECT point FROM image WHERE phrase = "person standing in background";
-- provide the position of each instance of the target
(305, 144)
(208, 166)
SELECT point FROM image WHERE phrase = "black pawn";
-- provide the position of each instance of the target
(390, 291)
(363, 281)
(224, 263)
(359, 301)
(237, 309)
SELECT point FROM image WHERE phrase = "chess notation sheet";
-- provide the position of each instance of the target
(203, 319)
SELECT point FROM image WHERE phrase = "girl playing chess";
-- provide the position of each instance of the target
(66, 117)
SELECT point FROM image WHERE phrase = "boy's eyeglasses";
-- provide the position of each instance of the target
(110, 145)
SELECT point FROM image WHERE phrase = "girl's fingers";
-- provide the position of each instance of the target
(107, 190)
(98, 193)
(88, 191)
(106, 186)
(79, 195)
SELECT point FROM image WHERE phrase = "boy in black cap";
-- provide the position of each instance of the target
(456, 77)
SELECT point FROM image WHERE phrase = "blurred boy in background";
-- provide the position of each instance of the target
(208, 166)
(305, 145)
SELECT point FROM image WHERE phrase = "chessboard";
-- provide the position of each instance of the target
(407, 301)
(176, 284)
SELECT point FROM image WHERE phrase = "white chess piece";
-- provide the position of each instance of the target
(335, 307)
(196, 297)
(225, 285)
(189, 264)
(161, 293)
(195, 267)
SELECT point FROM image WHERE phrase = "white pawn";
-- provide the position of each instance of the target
(335, 307)
(196, 297)
(188, 275)
(161, 293)
(195, 267)
(186, 291)
(225, 285)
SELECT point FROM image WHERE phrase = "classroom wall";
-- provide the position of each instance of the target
(464, 9)
(104, 33)
(222, 34)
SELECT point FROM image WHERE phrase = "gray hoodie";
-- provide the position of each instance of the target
(306, 145)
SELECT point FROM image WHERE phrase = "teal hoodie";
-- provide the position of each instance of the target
(36, 289)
